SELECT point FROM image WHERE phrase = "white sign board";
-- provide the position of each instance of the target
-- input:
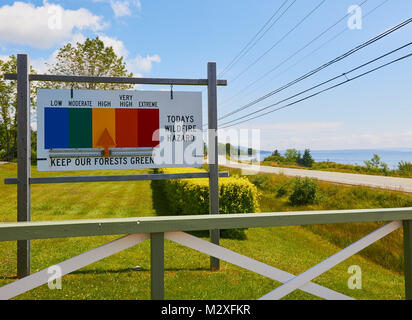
(112, 129)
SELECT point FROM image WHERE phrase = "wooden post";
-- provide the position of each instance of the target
(213, 156)
(407, 247)
(157, 266)
(23, 159)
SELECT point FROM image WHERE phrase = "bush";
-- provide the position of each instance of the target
(2, 155)
(404, 168)
(258, 180)
(282, 191)
(191, 196)
(305, 191)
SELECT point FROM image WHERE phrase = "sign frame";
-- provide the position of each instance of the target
(24, 179)
(114, 129)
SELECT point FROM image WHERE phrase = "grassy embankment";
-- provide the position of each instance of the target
(293, 249)
(388, 252)
(345, 168)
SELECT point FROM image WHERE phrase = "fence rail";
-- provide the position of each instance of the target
(10, 231)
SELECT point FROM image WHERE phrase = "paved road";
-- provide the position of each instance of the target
(391, 183)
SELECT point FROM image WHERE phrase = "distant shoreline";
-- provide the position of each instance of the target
(350, 156)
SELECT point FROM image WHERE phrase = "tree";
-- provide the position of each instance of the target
(90, 58)
(307, 159)
(275, 153)
(291, 156)
(299, 158)
(8, 109)
(228, 149)
(374, 162)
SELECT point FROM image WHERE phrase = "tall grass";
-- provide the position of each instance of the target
(388, 252)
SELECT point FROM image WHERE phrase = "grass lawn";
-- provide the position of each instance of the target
(293, 249)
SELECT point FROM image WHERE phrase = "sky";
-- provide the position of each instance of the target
(177, 39)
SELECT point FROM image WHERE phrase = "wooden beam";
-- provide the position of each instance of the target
(213, 157)
(250, 264)
(407, 249)
(330, 262)
(11, 231)
(23, 159)
(133, 177)
(157, 268)
(18, 287)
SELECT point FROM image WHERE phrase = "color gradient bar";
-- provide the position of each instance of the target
(80, 128)
(56, 129)
(103, 119)
(126, 128)
(83, 127)
(148, 123)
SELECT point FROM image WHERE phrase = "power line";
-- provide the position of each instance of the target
(252, 41)
(328, 41)
(311, 73)
(324, 90)
(305, 46)
(321, 84)
(249, 46)
(279, 41)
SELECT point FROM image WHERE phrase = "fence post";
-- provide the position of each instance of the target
(157, 266)
(213, 156)
(407, 247)
(23, 159)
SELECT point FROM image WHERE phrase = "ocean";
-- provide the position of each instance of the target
(390, 156)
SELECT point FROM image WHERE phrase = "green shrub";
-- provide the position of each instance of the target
(282, 191)
(191, 197)
(258, 180)
(305, 191)
(404, 168)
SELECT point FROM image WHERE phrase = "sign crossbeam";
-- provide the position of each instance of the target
(125, 80)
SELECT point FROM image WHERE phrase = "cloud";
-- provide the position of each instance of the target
(143, 64)
(122, 8)
(325, 136)
(298, 127)
(41, 65)
(4, 58)
(138, 64)
(44, 26)
(117, 45)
